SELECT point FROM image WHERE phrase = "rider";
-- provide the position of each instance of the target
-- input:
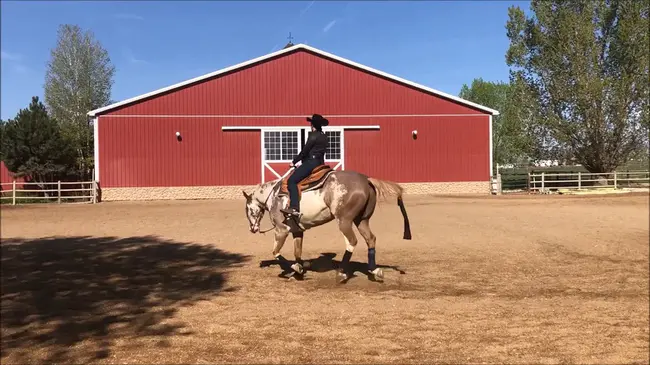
(312, 155)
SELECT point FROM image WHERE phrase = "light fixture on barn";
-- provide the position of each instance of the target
(414, 134)
(178, 136)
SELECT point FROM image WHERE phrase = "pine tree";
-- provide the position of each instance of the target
(32, 145)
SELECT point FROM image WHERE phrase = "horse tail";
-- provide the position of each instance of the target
(388, 188)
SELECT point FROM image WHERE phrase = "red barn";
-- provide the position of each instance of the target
(214, 135)
(7, 177)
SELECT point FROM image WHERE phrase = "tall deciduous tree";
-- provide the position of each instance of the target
(32, 145)
(585, 64)
(79, 78)
(511, 139)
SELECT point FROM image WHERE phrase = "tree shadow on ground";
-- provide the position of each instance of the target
(59, 292)
(326, 263)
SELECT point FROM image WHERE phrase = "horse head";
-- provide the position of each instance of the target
(254, 212)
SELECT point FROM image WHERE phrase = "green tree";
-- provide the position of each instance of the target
(79, 78)
(2, 137)
(584, 63)
(511, 141)
(32, 145)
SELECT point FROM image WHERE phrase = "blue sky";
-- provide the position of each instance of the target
(441, 44)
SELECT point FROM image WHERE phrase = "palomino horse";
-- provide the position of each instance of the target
(327, 194)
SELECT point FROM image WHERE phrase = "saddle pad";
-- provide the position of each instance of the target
(311, 182)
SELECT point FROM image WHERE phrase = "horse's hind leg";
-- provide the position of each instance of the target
(345, 226)
(364, 229)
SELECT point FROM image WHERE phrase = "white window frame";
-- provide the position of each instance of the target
(279, 130)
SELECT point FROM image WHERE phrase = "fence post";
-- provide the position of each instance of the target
(542, 181)
(579, 180)
(615, 182)
(13, 193)
(499, 190)
(94, 187)
(59, 192)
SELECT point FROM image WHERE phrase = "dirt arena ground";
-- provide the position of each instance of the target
(551, 279)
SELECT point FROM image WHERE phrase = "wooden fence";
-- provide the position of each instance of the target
(61, 191)
(542, 182)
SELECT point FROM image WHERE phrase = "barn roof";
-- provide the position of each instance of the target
(287, 50)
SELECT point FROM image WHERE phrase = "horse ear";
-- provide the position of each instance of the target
(246, 195)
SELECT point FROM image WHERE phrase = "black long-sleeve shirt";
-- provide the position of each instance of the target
(314, 149)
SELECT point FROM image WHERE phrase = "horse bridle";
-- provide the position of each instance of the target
(258, 219)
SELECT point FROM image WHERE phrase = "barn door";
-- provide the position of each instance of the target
(281, 144)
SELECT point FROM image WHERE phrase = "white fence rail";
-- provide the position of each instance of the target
(542, 182)
(84, 190)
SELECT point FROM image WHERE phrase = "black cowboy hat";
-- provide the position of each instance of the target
(318, 119)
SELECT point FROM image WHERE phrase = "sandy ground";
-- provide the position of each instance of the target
(544, 279)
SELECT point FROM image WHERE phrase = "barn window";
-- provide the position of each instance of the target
(333, 151)
(280, 145)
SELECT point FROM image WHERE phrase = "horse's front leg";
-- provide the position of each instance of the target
(280, 238)
(297, 252)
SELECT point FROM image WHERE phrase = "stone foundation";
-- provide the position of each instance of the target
(465, 187)
(234, 192)
(175, 193)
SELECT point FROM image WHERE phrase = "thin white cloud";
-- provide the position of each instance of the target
(306, 9)
(14, 60)
(137, 60)
(296, 21)
(128, 16)
(21, 69)
(329, 26)
(128, 54)
(8, 56)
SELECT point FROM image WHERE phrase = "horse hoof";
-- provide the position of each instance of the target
(342, 278)
(298, 268)
(378, 273)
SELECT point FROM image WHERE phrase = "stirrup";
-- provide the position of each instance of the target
(291, 211)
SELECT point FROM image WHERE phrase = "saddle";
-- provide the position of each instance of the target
(312, 182)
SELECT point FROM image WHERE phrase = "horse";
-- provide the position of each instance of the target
(348, 197)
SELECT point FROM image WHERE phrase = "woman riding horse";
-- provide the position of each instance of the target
(312, 155)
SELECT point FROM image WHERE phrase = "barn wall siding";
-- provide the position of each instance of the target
(7, 177)
(144, 152)
(138, 146)
(446, 149)
(139, 152)
(297, 84)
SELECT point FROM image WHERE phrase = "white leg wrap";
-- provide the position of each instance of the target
(348, 246)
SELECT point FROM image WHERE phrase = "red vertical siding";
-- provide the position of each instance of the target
(138, 147)
(299, 83)
(7, 177)
(446, 149)
(139, 152)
